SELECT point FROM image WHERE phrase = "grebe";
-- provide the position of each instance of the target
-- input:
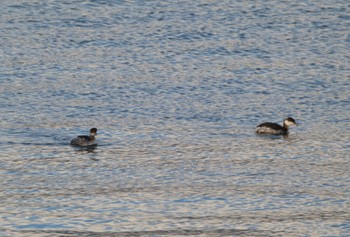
(85, 140)
(274, 128)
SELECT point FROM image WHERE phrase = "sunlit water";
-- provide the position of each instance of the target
(175, 90)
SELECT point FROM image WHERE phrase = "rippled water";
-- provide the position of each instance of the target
(175, 89)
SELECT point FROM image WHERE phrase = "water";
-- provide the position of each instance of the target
(175, 90)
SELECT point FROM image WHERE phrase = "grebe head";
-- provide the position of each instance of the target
(93, 132)
(288, 122)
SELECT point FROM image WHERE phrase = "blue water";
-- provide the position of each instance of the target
(175, 90)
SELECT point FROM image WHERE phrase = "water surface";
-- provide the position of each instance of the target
(175, 90)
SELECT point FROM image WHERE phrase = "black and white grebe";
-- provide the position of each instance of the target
(274, 128)
(85, 140)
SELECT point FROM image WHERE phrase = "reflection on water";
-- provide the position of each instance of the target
(176, 91)
(85, 149)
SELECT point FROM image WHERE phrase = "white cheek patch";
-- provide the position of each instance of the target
(288, 123)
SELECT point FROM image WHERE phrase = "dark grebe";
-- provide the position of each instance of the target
(85, 140)
(274, 128)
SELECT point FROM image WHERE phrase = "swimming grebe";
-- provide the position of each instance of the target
(85, 140)
(274, 128)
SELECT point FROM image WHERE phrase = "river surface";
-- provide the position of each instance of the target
(175, 89)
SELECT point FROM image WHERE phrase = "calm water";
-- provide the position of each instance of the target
(175, 89)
